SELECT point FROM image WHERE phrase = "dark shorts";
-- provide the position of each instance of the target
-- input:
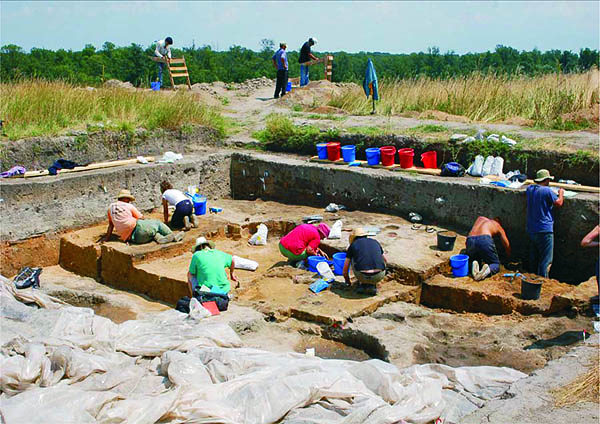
(183, 208)
(483, 250)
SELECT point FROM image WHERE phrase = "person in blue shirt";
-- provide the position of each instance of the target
(280, 63)
(541, 203)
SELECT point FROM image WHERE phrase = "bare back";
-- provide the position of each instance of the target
(485, 227)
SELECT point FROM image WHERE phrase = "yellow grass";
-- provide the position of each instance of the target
(488, 98)
(584, 388)
(36, 107)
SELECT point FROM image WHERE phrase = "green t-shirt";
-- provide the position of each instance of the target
(208, 266)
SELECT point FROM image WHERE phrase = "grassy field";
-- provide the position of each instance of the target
(561, 102)
(33, 108)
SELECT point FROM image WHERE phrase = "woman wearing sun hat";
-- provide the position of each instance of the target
(365, 256)
(303, 241)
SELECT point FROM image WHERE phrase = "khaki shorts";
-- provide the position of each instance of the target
(368, 278)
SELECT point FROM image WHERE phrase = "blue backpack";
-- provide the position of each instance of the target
(453, 169)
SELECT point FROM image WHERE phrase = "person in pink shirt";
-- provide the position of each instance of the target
(303, 241)
(128, 223)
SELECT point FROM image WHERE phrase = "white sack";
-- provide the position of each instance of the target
(336, 230)
(243, 263)
(260, 237)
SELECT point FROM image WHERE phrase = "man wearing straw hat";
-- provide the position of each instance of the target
(367, 260)
(541, 203)
(207, 268)
(128, 223)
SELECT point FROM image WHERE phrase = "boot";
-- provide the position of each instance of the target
(178, 236)
(186, 223)
(164, 239)
(194, 221)
(475, 269)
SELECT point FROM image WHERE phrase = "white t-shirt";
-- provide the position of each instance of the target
(173, 196)
(162, 49)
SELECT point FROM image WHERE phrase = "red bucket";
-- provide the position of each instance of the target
(406, 158)
(333, 151)
(387, 155)
(429, 160)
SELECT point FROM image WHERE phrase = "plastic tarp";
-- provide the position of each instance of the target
(65, 364)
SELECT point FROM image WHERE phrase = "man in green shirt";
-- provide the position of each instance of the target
(208, 268)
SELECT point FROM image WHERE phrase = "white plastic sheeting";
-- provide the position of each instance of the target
(68, 365)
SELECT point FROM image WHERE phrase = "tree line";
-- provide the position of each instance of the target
(91, 66)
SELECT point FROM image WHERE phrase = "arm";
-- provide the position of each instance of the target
(588, 240)
(156, 52)
(313, 57)
(345, 271)
(504, 241)
(136, 213)
(190, 286)
(109, 232)
(274, 63)
(165, 211)
(559, 202)
(283, 62)
(169, 52)
(231, 275)
(385, 259)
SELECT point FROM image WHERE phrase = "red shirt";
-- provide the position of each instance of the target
(300, 238)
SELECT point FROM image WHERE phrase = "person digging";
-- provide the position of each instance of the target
(365, 256)
(183, 216)
(207, 268)
(303, 241)
(128, 223)
(481, 249)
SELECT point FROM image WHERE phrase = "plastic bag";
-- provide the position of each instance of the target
(476, 168)
(487, 166)
(259, 238)
(243, 263)
(197, 311)
(497, 166)
(336, 230)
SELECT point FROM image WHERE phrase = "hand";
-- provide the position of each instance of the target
(234, 278)
(561, 191)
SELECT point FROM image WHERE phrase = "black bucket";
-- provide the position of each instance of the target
(530, 289)
(445, 240)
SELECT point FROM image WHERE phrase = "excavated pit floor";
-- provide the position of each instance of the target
(274, 310)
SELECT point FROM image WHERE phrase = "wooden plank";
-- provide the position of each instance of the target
(180, 75)
(177, 61)
(426, 171)
(391, 167)
(337, 162)
(99, 165)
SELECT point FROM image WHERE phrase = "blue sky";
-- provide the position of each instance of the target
(395, 27)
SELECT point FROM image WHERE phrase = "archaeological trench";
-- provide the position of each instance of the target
(421, 313)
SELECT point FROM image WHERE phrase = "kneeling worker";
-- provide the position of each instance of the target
(183, 217)
(129, 225)
(481, 248)
(368, 262)
(303, 241)
(207, 268)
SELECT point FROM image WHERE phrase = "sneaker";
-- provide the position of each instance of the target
(186, 223)
(484, 272)
(178, 236)
(475, 269)
(194, 221)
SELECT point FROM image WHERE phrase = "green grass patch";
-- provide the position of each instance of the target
(559, 124)
(428, 128)
(36, 108)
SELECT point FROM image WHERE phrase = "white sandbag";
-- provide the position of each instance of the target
(243, 263)
(260, 237)
(487, 166)
(197, 311)
(336, 230)
(497, 166)
(476, 168)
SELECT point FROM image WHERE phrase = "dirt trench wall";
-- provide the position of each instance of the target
(43, 205)
(460, 202)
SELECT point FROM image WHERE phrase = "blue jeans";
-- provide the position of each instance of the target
(541, 251)
(303, 75)
(161, 67)
(483, 250)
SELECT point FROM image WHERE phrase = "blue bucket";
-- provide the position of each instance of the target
(322, 150)
(460, 265)
(349, 153)
(373, 155)
(338, 263)
(155, 85)
(289, 86)
(199, 204)
(313, 261)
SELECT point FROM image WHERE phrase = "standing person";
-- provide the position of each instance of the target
(306, 56)
(128, 223)
(588, 241)
(207, 268)
(183, 217)
(163, 50)
(481, 248)
(365, 256)
(280, 62)
(541, 203)
(303, 241)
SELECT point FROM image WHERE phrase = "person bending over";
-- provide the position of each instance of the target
(365, 256)
(207, 268)
(481, 248)
(591, 240)
(303, 241)
(183, 217)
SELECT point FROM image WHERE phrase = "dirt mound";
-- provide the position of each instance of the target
(113, 83)
(315, 94)
(439, 116)
(517, 120)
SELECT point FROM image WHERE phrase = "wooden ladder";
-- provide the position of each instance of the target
(178, 69)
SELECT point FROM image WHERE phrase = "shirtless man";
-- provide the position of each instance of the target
(481, 247)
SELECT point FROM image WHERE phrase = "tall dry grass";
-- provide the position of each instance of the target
(488, 98)
(31, 108)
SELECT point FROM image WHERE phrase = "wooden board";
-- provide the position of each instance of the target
(337, 162)
(391, 167)
(426, 171)
(99, 165)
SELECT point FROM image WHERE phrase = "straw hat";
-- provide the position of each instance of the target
(201, 241)
(357, 232)
(542, 175)
(125, 194)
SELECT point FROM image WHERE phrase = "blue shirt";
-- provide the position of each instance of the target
(540, 209)
(277, 56)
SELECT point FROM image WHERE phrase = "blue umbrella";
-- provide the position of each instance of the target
(370, 83)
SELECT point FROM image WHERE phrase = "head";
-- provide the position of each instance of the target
(165, 185)
(497, 219)
(312, 41)
(125, 196)
(283, 46)
(168, 41)
(543, 177)
(202, 243)
(323, 230)
(357, 233)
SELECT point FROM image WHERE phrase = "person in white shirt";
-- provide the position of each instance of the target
(163, 49)
(183, 217)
